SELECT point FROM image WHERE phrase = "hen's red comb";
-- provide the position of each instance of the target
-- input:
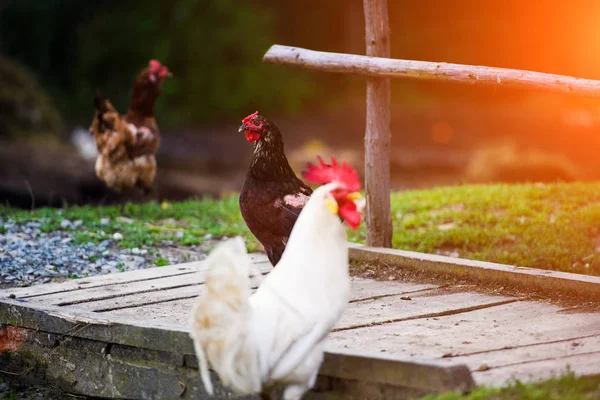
(246, 120)
(328, 173)
(154, 65)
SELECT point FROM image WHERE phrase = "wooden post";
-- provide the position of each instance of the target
(377, 135)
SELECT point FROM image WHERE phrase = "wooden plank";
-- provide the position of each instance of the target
(552, 350)
(425, 70)
(89, 325)
(389, 370)
(423, 305)
(369, 312)
(113, 279)
(362, 289)
(128, 289)
(531, 280)
(521, 323)
(377, 136)
(580, 364)
(177, 311)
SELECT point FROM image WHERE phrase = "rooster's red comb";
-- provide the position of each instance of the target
(246, 120)
(329, 173)
(154, 65)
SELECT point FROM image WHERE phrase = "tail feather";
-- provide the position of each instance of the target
(100, 102)
(220, 320)
(104, 106)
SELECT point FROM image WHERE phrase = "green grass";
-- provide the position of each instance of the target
(565, 387)
(160, 262)
(544, 226)
(186, 223)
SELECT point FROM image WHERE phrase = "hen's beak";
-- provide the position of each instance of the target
(355, 196)
(242, 128)
(360, 201)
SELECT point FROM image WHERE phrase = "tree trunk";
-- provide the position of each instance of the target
(377, 135)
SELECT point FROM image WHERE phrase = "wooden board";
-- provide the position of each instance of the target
(473, 335)
(531, 280)
(396, 338)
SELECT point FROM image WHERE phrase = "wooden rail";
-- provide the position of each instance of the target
(425, 70)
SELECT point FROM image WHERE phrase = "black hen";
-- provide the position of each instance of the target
(272, 196)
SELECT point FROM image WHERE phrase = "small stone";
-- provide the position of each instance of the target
(66, 240)
(179, 234)
(117, 236)
(65, 223)
(136, 251)
(125, 220)
(208, 236)
(77, 223)
(105, 221)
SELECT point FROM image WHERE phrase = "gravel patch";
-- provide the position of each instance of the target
(29, 256)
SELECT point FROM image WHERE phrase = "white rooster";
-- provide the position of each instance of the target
(275, 337)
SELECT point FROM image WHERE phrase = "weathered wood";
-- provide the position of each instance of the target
(361, 289)
(391, 309)
(390, 370)
(579, 364)
(530, 280)
(377, 135)
(136, 288)
(95, 368)
(176, 312)
(425, 70)
(467, 336)
(109, 280)
(363, 313)
(554, 350)
(84, 363)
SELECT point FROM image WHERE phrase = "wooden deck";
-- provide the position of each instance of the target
(125, 336)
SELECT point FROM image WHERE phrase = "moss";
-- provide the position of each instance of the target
(565, 387)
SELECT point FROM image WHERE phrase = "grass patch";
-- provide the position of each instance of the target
(186, 223)
(551, 226)
(161, 262)
(566, 387)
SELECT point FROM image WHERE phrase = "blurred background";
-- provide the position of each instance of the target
(54, 54)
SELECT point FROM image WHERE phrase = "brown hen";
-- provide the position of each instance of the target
(127, 144)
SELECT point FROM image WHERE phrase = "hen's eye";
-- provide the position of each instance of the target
(255, 122)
